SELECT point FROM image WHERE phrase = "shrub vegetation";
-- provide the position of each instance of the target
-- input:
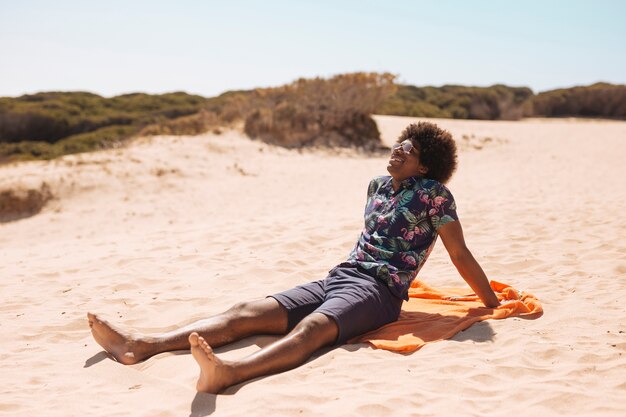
(332, 112)
(46, 125)
(497, 102)
(500, 102)
(327, 112)
(23, 202)
(597, 100)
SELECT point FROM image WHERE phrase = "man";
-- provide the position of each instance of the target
(404, 214)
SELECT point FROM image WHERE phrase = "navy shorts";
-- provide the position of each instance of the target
(356, 301)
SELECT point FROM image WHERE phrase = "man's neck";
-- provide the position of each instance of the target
(395, 184)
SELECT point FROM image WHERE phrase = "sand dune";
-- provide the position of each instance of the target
(172, 229)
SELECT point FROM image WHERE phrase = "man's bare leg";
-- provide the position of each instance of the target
(311, 334)
(265, 316)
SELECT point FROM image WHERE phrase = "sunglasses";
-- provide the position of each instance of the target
(407, 146)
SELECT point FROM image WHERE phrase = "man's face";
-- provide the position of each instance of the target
(405, 162)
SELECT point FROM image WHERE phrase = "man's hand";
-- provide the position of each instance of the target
(452, 237)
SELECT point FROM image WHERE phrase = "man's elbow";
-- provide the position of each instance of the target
(460, 254)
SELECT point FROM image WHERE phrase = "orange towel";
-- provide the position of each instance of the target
(432, 314)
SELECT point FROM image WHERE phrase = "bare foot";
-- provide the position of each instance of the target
(214, 373)
(122, 346)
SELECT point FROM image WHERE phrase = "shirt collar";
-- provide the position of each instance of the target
(405, 184)
(409, 182)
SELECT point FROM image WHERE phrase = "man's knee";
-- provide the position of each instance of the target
(317, 327)
(263, 315)
(249, 309)
(241, 309)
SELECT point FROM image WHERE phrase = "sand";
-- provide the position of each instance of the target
(171, 229)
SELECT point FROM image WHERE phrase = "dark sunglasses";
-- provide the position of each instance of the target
(407, 146)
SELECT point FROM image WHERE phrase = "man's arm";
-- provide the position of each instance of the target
(452, 237)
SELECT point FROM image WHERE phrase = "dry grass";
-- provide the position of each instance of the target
(20, 203)
(319, 112)
(195, 124)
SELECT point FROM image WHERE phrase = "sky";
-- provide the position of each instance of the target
(208, 47)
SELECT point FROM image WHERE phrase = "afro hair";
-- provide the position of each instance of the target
(437, 149)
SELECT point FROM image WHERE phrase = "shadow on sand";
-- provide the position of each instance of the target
(98, 357)
(203, 405)
(479, 332)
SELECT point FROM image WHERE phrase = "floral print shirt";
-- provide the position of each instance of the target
(401, 229)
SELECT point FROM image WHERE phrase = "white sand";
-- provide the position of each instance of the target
(173, 229)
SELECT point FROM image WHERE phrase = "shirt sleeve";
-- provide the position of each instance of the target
(371, 191)
(372, 187)
(443, 209)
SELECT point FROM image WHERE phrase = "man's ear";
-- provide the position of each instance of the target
(423, 170)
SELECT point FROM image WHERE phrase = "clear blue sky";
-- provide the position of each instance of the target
(208, 46)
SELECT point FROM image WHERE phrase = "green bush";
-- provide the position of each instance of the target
(102, 138)
(459, 102)
(53, 116)
(596, 100)
(47, 125)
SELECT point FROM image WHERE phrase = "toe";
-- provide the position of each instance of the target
(207, 349)
(193, 339)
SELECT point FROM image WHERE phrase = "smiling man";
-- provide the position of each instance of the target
(404, 214)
